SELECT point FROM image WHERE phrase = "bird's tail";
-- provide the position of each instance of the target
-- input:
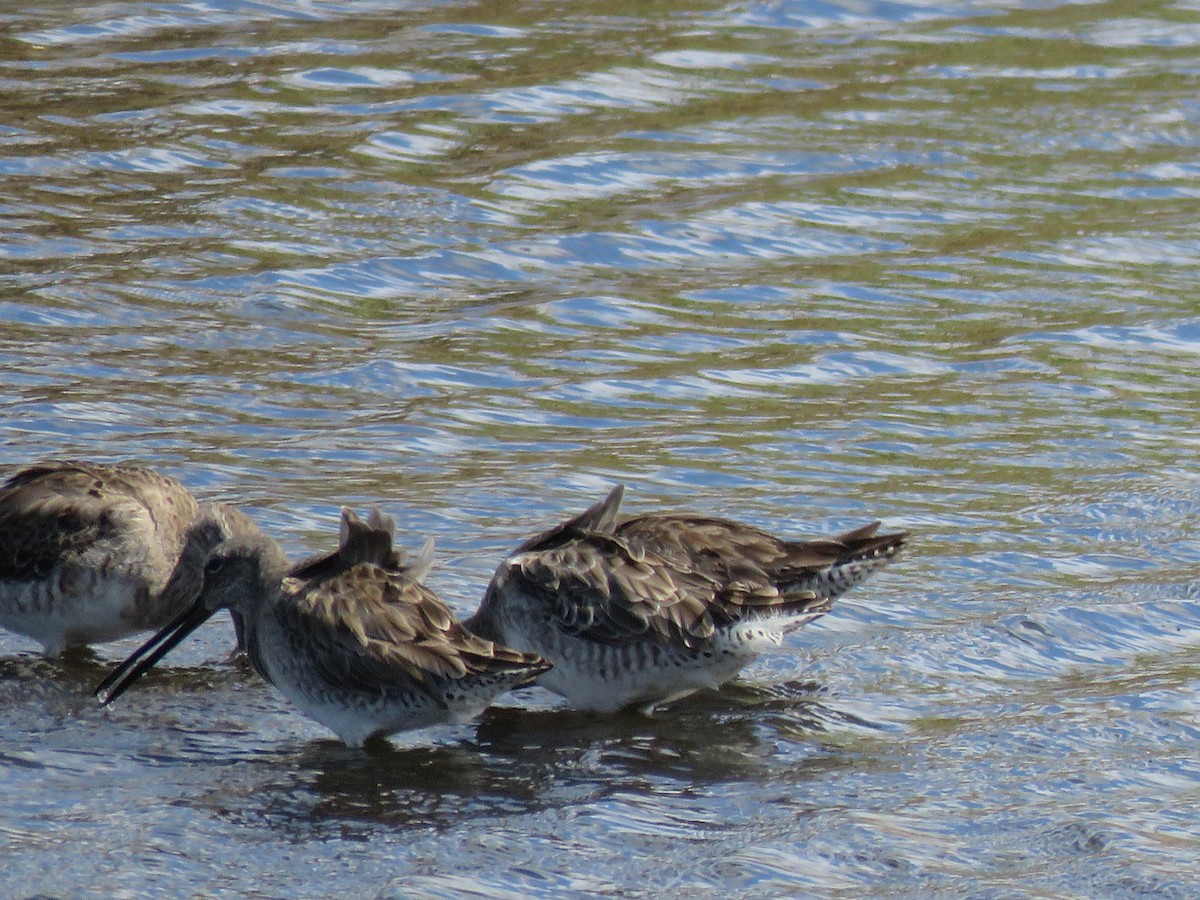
(857, 555)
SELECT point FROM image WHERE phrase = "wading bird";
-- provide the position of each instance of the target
(353, 638)
(91, 552)
(652, 609)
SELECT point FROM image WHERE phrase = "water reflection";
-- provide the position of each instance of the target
(520, 762)
(802, 263)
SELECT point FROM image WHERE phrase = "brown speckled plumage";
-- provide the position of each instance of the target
(353, 638)
(660, 605)
(92, 552)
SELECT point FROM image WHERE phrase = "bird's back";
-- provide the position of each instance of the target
(86, 547)
(731, 551)
(658, 605)
(359, 643)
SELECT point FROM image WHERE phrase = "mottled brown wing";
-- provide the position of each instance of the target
(55, 511)
(370, 629)
(729, 550)
(613, 591)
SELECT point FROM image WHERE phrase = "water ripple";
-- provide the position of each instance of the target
(803, 263)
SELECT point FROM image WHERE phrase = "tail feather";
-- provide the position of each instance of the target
(863, 553)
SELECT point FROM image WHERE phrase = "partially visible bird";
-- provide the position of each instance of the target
(91, 552)
(353, 638)
(650, 610)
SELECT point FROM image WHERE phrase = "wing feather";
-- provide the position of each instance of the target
(616, 590)
(729, 550)
(670, 578)
(369, 629)
(57, 511)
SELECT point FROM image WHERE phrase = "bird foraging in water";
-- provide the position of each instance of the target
(353, 638)
(91, 552)
(655, 608)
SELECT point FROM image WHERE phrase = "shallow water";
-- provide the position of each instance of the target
(802, 263)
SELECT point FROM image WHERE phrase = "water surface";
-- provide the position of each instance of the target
(803, 263)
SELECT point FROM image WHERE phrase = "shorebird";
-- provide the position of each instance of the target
(353, 638)
(92, 552)
(653, 609)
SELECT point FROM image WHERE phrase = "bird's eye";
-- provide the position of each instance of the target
(213, 565)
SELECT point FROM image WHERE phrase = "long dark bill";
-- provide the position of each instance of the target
(144, 657)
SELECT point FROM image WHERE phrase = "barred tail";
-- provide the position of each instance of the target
(864, 554)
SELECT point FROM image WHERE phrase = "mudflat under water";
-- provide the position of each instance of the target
(802, 263)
